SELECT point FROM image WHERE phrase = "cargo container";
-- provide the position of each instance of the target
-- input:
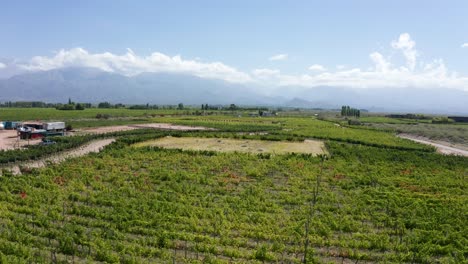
(54, 126)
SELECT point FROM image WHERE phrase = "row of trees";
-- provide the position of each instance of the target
(348, 111)
(72, 106)
(233, 107)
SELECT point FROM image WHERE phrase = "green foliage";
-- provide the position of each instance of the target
(378, 199)
(348, 111)
(442, 120)
(38, 151)
(66, 107)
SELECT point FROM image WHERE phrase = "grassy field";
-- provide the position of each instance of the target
(302, 128)
(233, 145)
(22, 114)
(373, 198)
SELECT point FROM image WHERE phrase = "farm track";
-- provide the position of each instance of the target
(159, 126)
(93, 146)
(441, 148)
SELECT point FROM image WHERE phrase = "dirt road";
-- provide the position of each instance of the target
(93, 146)
(444, 148)
(162, 126)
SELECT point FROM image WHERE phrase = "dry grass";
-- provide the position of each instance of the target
(231, 145)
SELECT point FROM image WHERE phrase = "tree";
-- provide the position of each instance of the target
(79, 106)
(180, 106)
(104, 105)
(69, 101)
(232, 107)
(346, 110)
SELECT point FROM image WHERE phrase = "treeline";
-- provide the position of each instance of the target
(37, 104)
(348, 111)
(70, 105)
(24, 104)
(232, 107)
(409, 116)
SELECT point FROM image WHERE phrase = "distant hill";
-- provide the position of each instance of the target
(93, 85)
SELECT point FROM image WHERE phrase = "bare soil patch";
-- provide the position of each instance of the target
(230, 145)
(162, 126)
(9, 140)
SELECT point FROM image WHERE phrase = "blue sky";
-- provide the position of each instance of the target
(243, 35)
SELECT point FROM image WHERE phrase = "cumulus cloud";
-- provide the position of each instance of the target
(381, 64)
(382, 73)
(406, 45)
(279, 57)
(131, 64)
(464, 45)
(317, 67)
(265, 72)
(2, 65)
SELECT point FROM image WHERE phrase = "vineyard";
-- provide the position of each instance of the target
(372, 198)
(21, 114)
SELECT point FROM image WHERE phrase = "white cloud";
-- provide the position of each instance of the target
(381, 64)
(383, 73)
(317, 67)
(265, 72)
(464, 45)
(2, 65)
(131, 64)
(340, 67)
(279, 57)
(406, 45)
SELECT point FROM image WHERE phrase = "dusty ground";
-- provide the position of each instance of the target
(171, 127)
(94, 146)
(230, 145)
(163, 126)
(105, 129)
(442, 147)
(9, 140)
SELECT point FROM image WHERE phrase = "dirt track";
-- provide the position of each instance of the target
(444, 148)
(162, 126)
(93, 146)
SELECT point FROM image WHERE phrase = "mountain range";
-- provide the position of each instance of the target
(93, 85)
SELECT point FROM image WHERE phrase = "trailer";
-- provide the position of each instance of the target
(50, 126)
(55, 128)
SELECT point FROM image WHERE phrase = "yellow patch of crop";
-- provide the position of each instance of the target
(240, 145)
